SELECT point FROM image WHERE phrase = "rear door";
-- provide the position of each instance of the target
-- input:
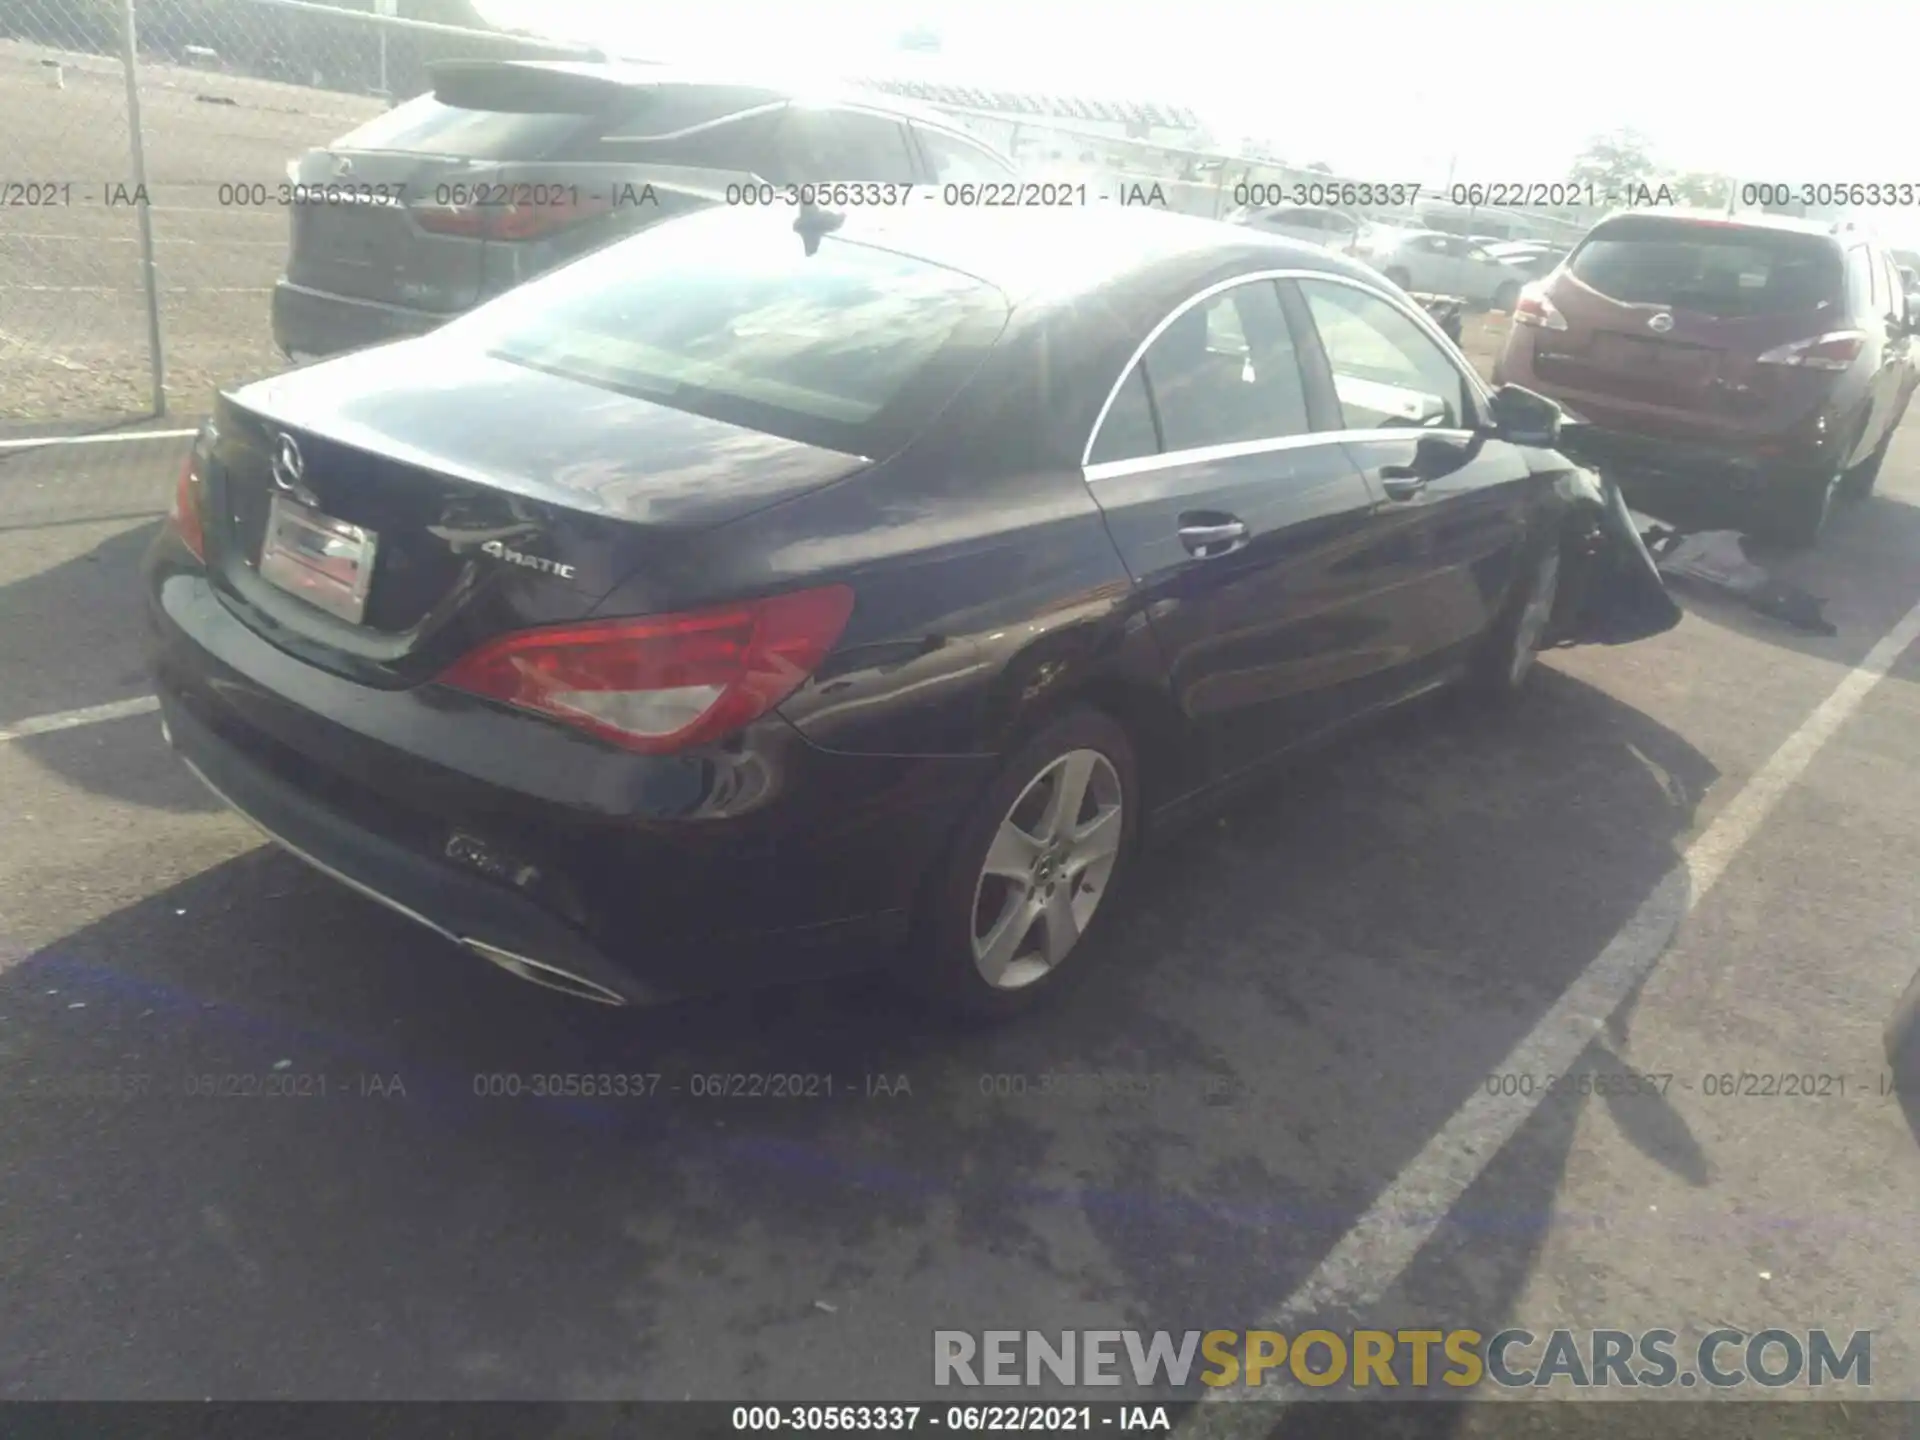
(1901, 317)
(1454, 504)
(1248, 530)
(1886, 343)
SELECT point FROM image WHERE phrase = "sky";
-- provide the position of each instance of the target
(1489, 90)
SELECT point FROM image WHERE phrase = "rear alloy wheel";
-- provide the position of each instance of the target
(1032, 870)
(1513, 645)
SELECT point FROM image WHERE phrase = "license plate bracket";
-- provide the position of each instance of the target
(324, 561)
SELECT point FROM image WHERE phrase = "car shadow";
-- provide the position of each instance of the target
(272, 1141)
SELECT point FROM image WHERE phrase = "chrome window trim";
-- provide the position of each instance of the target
(1235, 450)
(1421, 319)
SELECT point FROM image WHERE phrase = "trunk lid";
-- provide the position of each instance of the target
(431, 450)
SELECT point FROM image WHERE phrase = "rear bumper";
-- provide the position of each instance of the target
(1629, 456)
(314, 324)
(645, 877)
(464, 910)
(1633, 441)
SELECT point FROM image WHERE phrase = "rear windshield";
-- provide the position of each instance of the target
(1710, 269)
(853, 348)
(424, 126)
(1309, 220)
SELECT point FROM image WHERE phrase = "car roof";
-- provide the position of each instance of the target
(752, 88)
(1037, 256)
(1747, 220)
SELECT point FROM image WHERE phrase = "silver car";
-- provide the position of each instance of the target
(1436, 263)
(1315, 224)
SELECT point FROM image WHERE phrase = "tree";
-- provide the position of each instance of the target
(1701, 188)
(1614, 162)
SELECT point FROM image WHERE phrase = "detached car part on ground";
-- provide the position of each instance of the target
(737, 606)
(509, 168)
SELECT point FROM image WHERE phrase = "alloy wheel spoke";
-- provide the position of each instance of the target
(1012, 854)
(1095, 840)
(1070, 781)
(1060, 923)
(1001, 945)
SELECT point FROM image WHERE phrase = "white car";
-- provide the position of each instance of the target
(1436, 263)
(1315, 224)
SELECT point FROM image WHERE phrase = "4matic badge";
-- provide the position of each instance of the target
(528, 562)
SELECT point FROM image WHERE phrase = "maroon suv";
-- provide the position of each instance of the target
(1775, 356)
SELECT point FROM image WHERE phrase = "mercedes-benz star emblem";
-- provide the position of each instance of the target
(289, 466)
(1660, 323)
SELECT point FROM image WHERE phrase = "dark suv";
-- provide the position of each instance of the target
(1772, 355)
(508, 168)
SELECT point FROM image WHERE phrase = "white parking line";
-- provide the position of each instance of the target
(1380, 1246)
(122, 438)
(73, 719)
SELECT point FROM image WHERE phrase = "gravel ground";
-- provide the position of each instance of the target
(73, 318)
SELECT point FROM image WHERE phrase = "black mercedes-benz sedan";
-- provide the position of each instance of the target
(759, 598)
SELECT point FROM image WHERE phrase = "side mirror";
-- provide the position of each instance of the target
(1526, 418)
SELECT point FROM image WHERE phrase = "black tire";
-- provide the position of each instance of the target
(1801, 509)
(940, 965)
(1397, 276)
(1499, 672)
(1506, 297)
(1903, 1045)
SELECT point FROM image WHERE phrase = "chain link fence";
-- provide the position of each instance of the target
(144, 147)
(177, 116)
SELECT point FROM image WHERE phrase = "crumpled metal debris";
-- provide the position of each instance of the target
(1718, 560)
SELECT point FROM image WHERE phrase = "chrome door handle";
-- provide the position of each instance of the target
(1208, 541)
(1402, 486)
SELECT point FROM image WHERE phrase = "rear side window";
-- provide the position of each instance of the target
(425, 126)
(1723, 270)
(852, 348)
(1859, 281)
(817, 146)
(955, 159)
(1128, 431)
(1226, 371)
(1387, 372)
(1896, 289)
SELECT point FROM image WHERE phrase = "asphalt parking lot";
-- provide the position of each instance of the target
(1708, 840)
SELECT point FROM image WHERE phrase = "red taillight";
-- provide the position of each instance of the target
(664, 682)
(184, 515)
(511, 222)
(1534, 308)
(1835, 351)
